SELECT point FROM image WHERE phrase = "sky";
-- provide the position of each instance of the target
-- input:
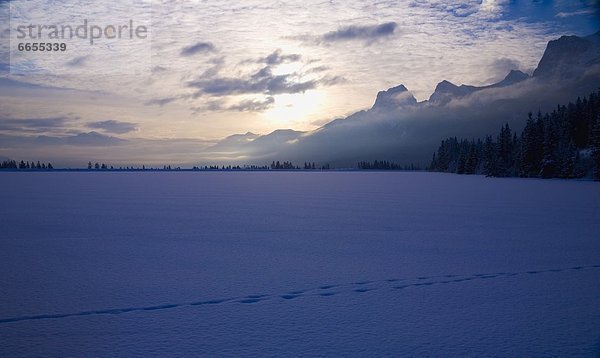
(209, 69)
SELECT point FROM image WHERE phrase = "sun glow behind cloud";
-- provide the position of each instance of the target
(295, 108)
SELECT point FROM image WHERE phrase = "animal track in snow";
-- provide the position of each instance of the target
(322, 291)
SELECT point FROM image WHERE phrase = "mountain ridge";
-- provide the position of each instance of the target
(397, 122)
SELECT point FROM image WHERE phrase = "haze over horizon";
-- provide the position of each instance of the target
(221, 69)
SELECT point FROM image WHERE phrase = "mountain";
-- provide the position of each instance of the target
(280, 135)
(446, 91)
(253, 145)
(514, 76)
(394, 98)
(569, 56)
(234, 141)
(400, 129)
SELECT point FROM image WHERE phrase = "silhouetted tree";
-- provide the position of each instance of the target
(595, 148)
(564, 143)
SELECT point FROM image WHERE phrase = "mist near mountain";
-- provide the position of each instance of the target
(399, 128)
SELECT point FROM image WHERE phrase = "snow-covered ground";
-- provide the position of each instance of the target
(298, 264)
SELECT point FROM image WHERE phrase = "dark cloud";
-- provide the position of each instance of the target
(199, 47)
(217, 65)
(93, 139)
(331, 80)
(263, 81)
(9, 84)
(253, 105)
(277, 58)
(259, 82)
(249, 105)
(33, 125)
(318, 69)
(78, 61)
(160, 101)
(113, 126)
(210, 106)
(355, 32)
(158, 69)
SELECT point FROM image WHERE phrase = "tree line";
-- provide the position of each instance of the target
(562, 144)
(103, 166)
(12, 164)
(385, 165)
(276, 165)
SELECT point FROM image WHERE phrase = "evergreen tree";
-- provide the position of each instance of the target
(490, 166)
(530, 149)
(548, 167)
(472, 159)
(505, 152)
(595, 149)
(552, 145)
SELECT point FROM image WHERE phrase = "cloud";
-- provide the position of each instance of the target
(94, 139)
(110, 150)
(91, 139)
(576, 13)
(331, 80)
(160, 101)
(355, 32)
(253, 105)
(262, 81)
(33, 125)
(78, 61)
(199, 47)
(500, 67)
(217, 105)
(277, 58)
(493, 7)
(218, 63)
(247, 105)
(158, 69)
(265, 83)
(219, 92)
(113, 126)
(318, 69)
